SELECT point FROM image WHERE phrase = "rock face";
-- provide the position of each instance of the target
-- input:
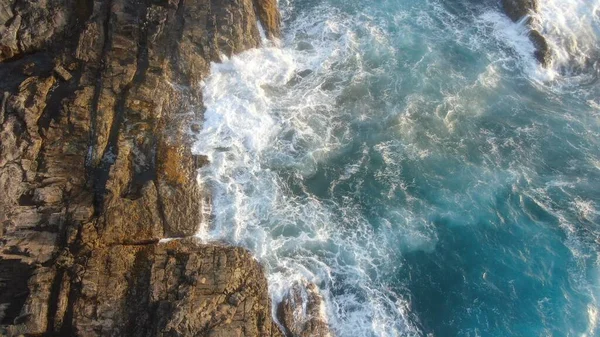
(95, 168)
(517, 10)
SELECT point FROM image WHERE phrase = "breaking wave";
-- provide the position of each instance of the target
(412, 161)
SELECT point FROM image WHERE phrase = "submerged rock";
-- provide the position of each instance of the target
(542, 50)
(95, 169)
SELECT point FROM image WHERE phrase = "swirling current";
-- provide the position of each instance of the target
(413, 160)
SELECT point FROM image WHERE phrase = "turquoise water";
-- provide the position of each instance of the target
(412, 160)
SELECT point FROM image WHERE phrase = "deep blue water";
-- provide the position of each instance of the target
(412, 160)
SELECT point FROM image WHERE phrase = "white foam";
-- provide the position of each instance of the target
(516, 36)
(275, 114)
(593, 317)
(166, 240)
(571, 28)
(586, 209)
(274, 110)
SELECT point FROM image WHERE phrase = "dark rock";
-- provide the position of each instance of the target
(14, 294)
(517, 10)
(542, 50)
(195, 128)
(305, 72)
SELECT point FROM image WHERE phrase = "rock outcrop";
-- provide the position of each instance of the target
(96, 101)
(516, 10)
(302, 313)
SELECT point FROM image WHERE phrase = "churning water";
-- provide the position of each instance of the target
(411, 159)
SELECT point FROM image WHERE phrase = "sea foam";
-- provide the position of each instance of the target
(272, 111)
(328, 101)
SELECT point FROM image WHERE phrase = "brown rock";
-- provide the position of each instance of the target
(154, 290)
(269, 17)
(302, 313)
(62, 73)
(95, 168)
(48, 195)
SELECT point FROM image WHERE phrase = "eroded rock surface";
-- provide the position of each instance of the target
(517, 10)
(96, 102)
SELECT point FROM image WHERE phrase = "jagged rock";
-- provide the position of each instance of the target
(517, 10)
(95, 168)
(301, 312)
(542, 50)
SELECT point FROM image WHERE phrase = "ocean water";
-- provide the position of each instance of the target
(413, 161)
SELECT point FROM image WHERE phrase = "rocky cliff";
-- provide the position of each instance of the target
(97, 100)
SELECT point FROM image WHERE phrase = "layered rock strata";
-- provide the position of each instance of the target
(517, 10)
(97, 99)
